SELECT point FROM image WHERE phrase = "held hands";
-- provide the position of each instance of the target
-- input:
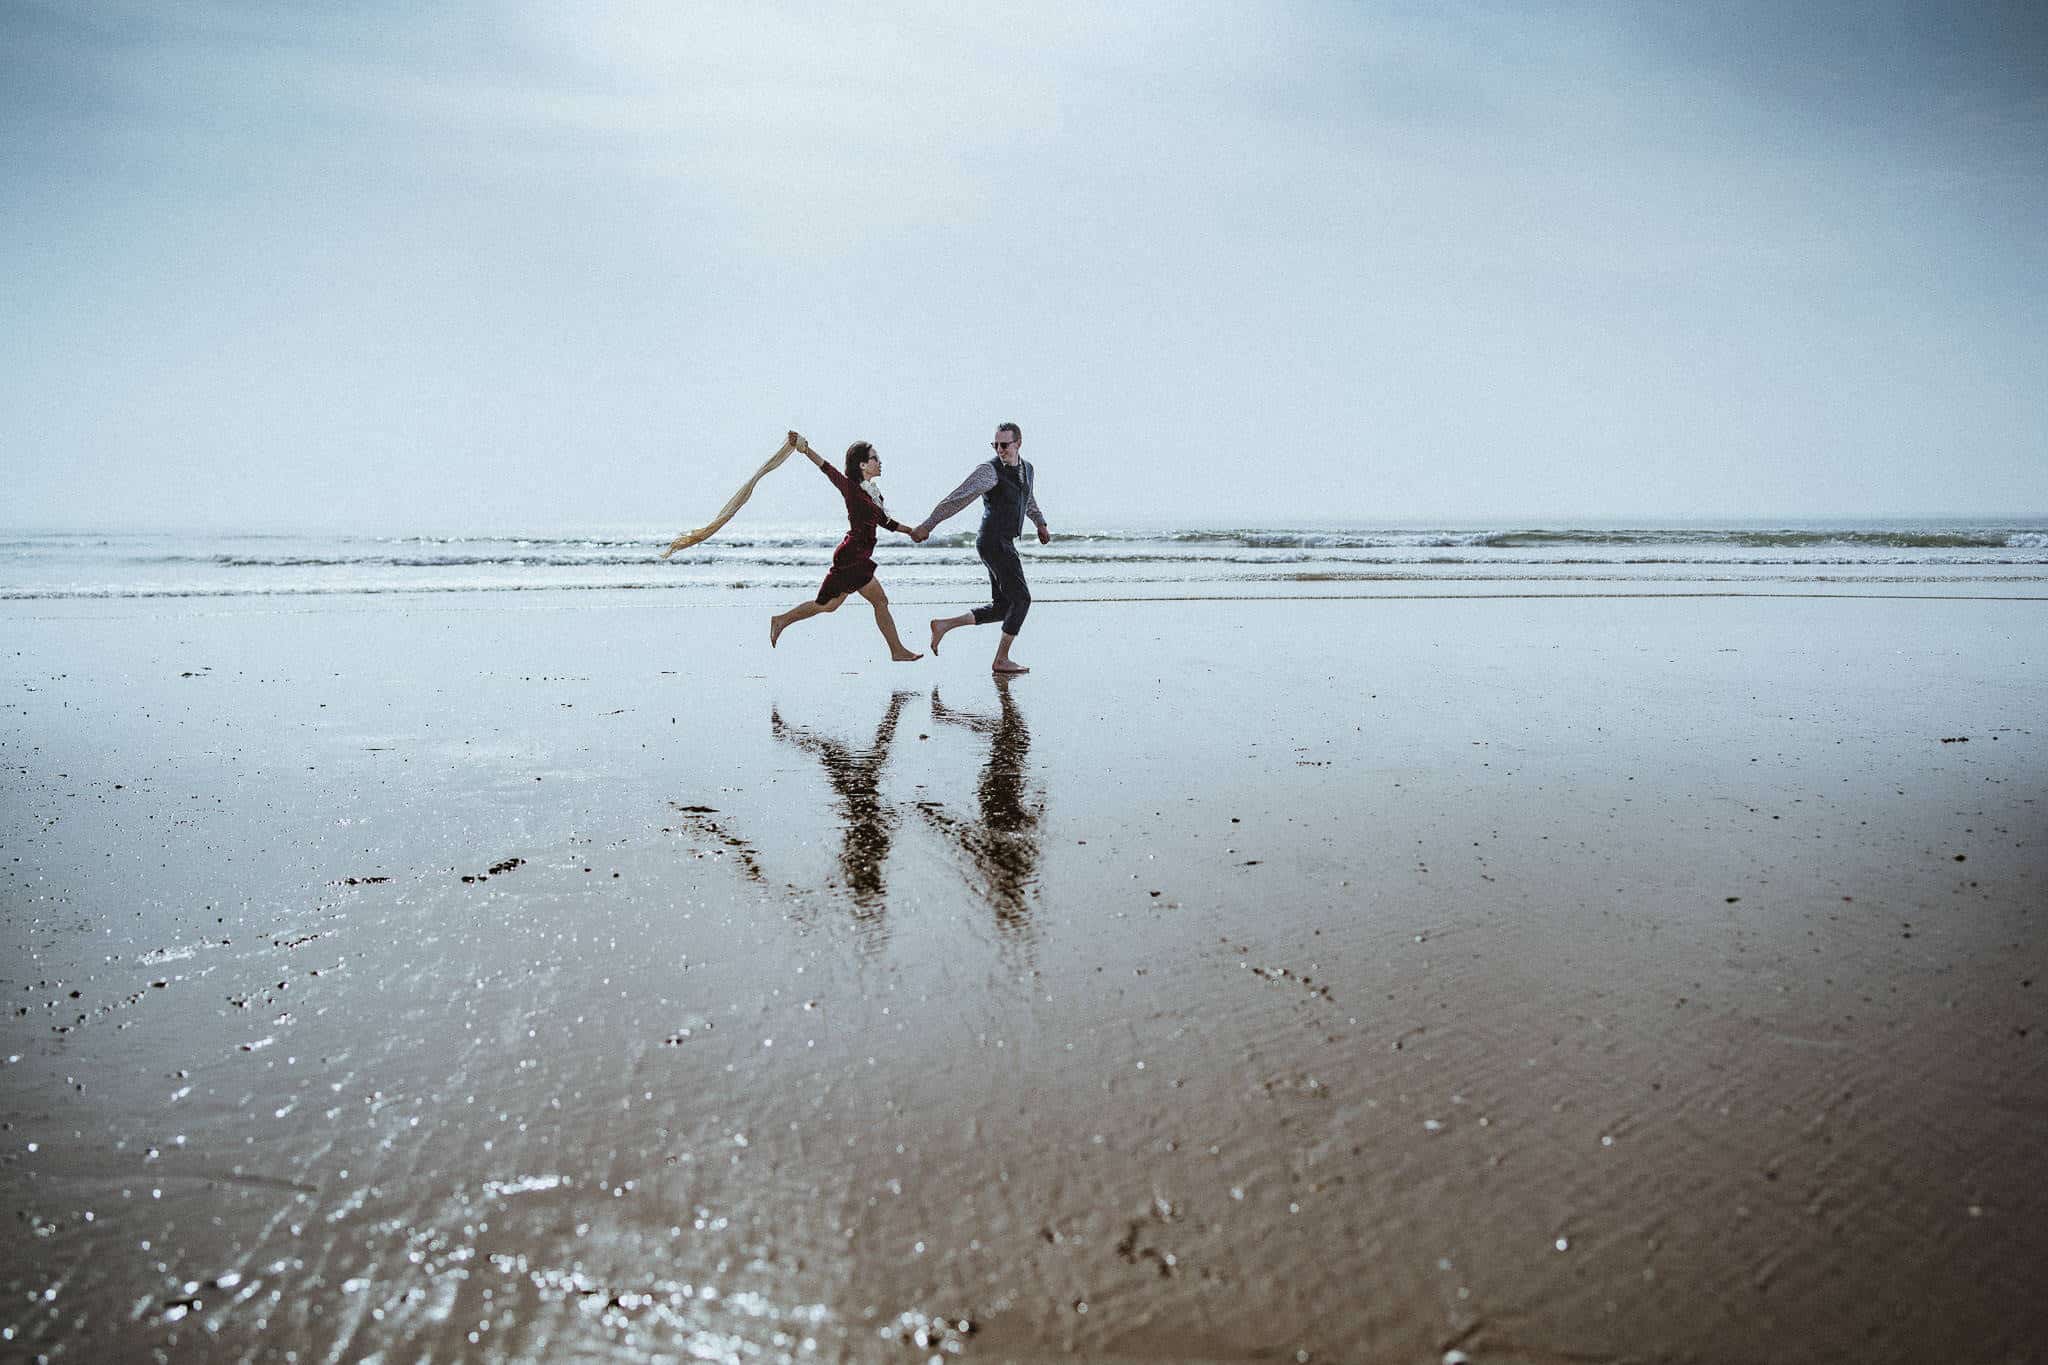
(919, 534)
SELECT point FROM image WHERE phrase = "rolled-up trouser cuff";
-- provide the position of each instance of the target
(1010, 596)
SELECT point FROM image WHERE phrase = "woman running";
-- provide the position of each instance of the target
(853, 563)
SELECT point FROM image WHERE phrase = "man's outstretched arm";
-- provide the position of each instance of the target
(980, 481)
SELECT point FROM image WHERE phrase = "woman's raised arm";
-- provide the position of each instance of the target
(796, 439)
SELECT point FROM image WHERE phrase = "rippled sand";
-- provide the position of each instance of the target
(1571, 980)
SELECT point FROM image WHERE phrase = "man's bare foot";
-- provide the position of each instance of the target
(904, 656)
(1006, 668)
(939, 629)
(776, 625)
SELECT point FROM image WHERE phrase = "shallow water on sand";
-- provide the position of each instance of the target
(1269, 981)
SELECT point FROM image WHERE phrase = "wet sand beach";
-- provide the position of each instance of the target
(1479, 978)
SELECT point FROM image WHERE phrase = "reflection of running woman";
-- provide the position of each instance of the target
(866, 825)
(853, 563)
(1004, 486)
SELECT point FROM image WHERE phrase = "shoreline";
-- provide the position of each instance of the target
(751, 598)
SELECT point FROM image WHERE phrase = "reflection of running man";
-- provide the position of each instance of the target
(1004, 486)
(1003, 844)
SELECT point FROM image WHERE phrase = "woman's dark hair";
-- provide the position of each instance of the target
(856, 455)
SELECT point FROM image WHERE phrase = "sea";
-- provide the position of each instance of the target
(771, 563)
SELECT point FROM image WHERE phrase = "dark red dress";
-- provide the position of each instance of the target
(853, 563)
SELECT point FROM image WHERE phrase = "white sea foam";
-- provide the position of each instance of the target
(784, 559)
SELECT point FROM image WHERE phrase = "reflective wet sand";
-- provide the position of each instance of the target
(1515, 980)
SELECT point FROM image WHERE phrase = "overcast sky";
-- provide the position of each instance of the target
(547, 266)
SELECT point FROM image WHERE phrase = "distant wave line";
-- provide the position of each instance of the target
(1074, 555)
(119, 592)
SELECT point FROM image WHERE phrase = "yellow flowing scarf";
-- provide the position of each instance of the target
(739, 499)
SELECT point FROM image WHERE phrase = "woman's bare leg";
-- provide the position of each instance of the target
(879, 600)
(802, 611)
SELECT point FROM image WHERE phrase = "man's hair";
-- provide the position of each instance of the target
(1014, 430)
(856, 456)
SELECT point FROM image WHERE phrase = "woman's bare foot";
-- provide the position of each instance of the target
(776, 625)
(1006, 668)
(904, 656)
(939, 629)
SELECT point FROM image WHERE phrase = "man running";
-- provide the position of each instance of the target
(1004, 486)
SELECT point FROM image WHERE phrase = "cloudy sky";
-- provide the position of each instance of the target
(543, 266)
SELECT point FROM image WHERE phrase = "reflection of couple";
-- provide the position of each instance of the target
(1005, 487)
(1001, 845)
